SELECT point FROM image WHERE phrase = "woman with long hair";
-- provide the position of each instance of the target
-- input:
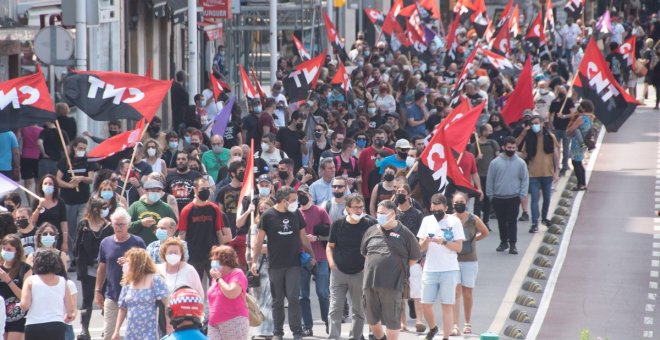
(51, 208)
(94, 227)
(104, 192)
(151, 155)
(580, 123)
(142, 288)
(107, 193)
(262, 293)
(47, 299)
(13, 273)
(45, 239)
(228, 313)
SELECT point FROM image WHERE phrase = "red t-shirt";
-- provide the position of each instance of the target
(468, 165)
(366, 163)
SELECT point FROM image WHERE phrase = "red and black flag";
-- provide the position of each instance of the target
(260, 90)
(25, 101)
(498, 64)
(451, 42)
(514, 24)
(218, 86)
(627, 51)
(474, 11)
(460, 81)
(118, 143)
(431, 6)
(549, 19)
(114, 95)
(249, 90)
(302, 52)
(502, 42)
(504, 16)
(303, 79)
(335, 39)
(438, 161)
(574, 8)
(391, 24)
(535, 34)
(522, 97)
(594, 81)
(375, 16)
(342, 78)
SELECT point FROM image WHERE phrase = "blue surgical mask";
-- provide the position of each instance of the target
(153, 197)
(161, 234)
(382, 219)
(257, 109)
(264, 192)
(107, 194)
(536, 128)
(361, 143)
(215, 264)
(105, 212)
(48, 240)
(173, 145)
(8, 255)
(186, 139)
(48, 189)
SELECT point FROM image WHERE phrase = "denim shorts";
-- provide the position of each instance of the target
(469, 272)
(440, 286)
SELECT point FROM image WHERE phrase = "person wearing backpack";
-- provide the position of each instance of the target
(346, 165)
(474, 230)
(269, 152)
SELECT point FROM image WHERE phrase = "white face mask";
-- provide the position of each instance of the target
(356, 217)
(173, 259)
(151, 152)
(264, 147)
(410, 161)
(292, 207)
(80, 153)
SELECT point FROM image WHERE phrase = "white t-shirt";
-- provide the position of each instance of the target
(438, 257)
(212, 107)
(187, 276)
(617, 33)
(571, 34)
(272, 158)
(73, 290)
(542, 103)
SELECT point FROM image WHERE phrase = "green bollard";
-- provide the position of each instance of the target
(489, 336)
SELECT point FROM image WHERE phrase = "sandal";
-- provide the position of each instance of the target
(455, 331)
(467, 329)
(420, 327)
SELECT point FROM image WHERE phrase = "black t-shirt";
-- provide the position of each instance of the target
(54, 216)
(347, 238)
(250, 126)
(411, 219)
(561, 123)
(68, 124)
(28, 240)
(181, 187)
(142, 169)
(201, 224)
(52, 143)
(283, 232)
(81, 168)
(433, 120)
(228, 196)
(290, 143)
(231, 134)
(350, 168)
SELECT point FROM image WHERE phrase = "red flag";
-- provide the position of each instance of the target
(114, 95)
(595, 82)
(451, 42)
(549, 20)
(431, 5)
(215, 86)
(249, 90)
(302, 52)
(303, 79)
(335, 39)
(506, 12)
(248, 181)
(514, 26)
(375, 16)
(408, 10)
(25, 101)
(501, 43)
(391, 23)
(416, 41)
(118, 143)
(312, 68)
(535, 32)
(342, 77)
(522, 97)
(260, 91)
(627, 51)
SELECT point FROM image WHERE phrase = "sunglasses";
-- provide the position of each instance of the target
(48, 233)
(338, 186)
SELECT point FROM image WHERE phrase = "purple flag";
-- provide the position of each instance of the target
(7, 184)
(222, 119)
(604, 24)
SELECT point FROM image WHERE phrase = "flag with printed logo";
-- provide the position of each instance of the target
(117, 143)
(25, 101)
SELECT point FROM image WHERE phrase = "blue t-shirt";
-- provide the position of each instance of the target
(392, 160)
(415, 112)
(8, 142)
(109, 252)
(186, 334)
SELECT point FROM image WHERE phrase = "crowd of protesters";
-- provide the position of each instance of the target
(340, 203)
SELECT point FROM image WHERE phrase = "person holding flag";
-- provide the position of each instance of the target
(228, 199)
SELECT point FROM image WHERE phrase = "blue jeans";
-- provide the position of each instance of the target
(544, 184)
(565, 147)
(322, 283)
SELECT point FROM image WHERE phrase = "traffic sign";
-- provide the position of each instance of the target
(54, 45)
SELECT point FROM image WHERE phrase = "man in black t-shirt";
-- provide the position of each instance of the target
(560, 123)
(292, 139)
(250, 121)
(51, 149)
(284, 226)
(180, 183)
(228, 198)
(346, 265)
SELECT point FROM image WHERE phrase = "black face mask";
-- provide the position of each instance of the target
(154, 129)
(318, 134)
(379, 143)
(113, 133)
(284, 175)
(439, 215)
(388, 177)
(22, 223)
(338, 194)
(299, 126)
(402, 155)
(182, 168)
(303, 200)
(240, 176)
(510, 153)
(196, 145)
(400, 198)
(460, 207)
(204, 194)
(495, 124)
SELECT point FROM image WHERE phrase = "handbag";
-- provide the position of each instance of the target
(254, 281)
(256, 316)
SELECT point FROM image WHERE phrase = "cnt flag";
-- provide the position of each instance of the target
(25, 101)
(302, 52)
(498, 63)
(627, 50)
(594, 81)
(514, 24)
(303, 79)
(390, 24)
(115, 95)
(574, 8)
(342, 77)
(218, 86)
(118, 143)
(549, 19)
(260, 90)
(522, 97)
(504, 16)
(451, 42)
(431, 5)
(375, 16)
(247, 190)
(335, 39)
(502, 42)
(249, 90)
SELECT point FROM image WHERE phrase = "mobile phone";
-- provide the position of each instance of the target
(431, 235)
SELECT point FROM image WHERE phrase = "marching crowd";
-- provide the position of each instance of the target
(165, 243)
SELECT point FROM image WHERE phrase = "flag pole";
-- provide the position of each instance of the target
(567, 91)
(28, 191)
(130, 165)
(66, 153)
(476, 138)
(413, 169)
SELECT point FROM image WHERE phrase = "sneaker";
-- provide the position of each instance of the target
(502, 247)
(297, 337)
(562, 172)
(513, 250)
(524, 217)
(307, 332)
(546, 222)
(411, 309)
(432, 332)
(534, 228)
(327, 328)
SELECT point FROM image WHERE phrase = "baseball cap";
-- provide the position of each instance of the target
(264, 178)
(303, 188)
(402, 144)
(152, 184)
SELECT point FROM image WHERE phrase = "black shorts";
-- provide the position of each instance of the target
(15, 326)
(29, 168)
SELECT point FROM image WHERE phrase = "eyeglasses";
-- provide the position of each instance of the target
(338, 186)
